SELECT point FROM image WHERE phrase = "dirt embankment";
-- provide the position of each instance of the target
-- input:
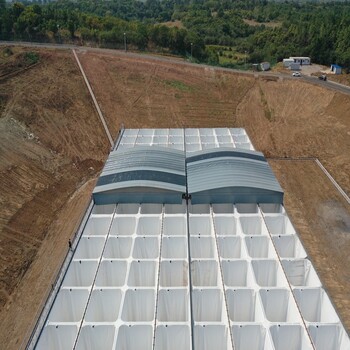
(52, 144)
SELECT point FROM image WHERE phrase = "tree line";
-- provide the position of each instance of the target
(318, 30)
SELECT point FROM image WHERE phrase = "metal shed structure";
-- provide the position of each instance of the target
(142, 175)
(231, 176)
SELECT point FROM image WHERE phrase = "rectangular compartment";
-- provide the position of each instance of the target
(247, 208)
(123, 226)
(174, 226)
(89, 248)
(103, 305)
(142, 274)
(207, 305)
(128, 208)
(210, 337)
(161, 132)
(136, 337)
(206, 132)
(149, 208)
(146, 248)
(160, 139)
(240, 138)
(224, 139)
(251, 337)
(300, 273)
(111, 273)
(174, 247)
(227, 144)
(208, 145)
(221, 131)
(237, 273)
(329, 337)
(205, 273)
(191, 131)
(243, 145)
(207, 139)
(144, 140)
(224, 208)
(271, 208)
(268, 273)
(193, 147)
(202, 248)
(200, 209)
(289, 246)
(225, 225)
(174, 337)
(200, 226)
(230, 247)
(173, 305)
(69, 305)
(237, 131)
(315, 305)
(98, 226)
(279, 305)
(289, 337)
(139, 305)
(80, 274)
(173, 209)
(252, 225)
(96, 337)
(192, 139)
(57, 337)
(146, 132)
(176, 139)
(103, 209)
(174, 273)
(149, 225)
(130, 132)
(260, 247)
(244, 305)
(279, 225)
(117, 248)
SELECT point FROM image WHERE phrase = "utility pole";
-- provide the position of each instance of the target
(125, 42)
(191, 50)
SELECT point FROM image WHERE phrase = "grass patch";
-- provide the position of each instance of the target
(31, 57)
(178, 85)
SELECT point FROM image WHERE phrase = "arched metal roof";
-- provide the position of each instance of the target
(142, 174)
(231, 176)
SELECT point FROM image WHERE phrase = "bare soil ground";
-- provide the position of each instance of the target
(52, 145)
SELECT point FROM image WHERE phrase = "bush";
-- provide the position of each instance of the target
(31, 57)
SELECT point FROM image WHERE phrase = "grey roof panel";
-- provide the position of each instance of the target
(142, 173)
(231, 177)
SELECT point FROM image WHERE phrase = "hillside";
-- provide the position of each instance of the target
(53, 147)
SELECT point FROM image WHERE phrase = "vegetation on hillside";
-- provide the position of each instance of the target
(214, 27)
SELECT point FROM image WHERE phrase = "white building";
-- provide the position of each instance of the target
(301, 60)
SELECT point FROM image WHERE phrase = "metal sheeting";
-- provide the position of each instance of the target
(142, 174)
(145, 174)
(224, 152)
(232, 179)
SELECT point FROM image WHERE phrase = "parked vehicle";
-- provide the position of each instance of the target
(296, 74)
(323, 77)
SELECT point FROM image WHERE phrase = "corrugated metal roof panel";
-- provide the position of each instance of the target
(215, 178)
(142, 173)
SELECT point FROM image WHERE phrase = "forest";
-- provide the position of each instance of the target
(225, 32)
